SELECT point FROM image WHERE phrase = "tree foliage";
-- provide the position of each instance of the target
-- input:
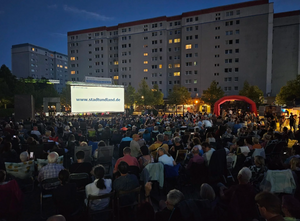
(289, 92)
(144, 94)
(10, 86)
(158, 96)
(212, 94)
(130, 96)
(179, 96)
(253, 92)
(65, 96)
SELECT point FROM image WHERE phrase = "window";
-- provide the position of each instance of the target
(228, 61)
(236, 79)
(145, 54)
(195, 63)
(176, 65)
(116, 63)
(195, 81)
(170, 41)
(189, 29)
(216, 74)
(217, 37)
(169, 65)
(189, 81)
(72, 72)
(228, 51)
(72, 58)
(195, 72)
(237, 31)
(229, 42)
(237, 41)
(229, 32)
(228, 23)
(189, 20)
(176, 74)
(238, 12)
(228, 70)
(116, 77)
(217, 55)
(154, 34)
(145, 70)
(176, 40)
(237, 22)
(236, 69)
(237, 60)
(217, 28)
(196, 45)
(189, 37)
(154, 42)
(188, 64)
(189, 55)
(160, 66)
(236, 88)
(230, 13)
(217, 46)
(145, 62)
(170, 82)
(154, 66)
(237, 50)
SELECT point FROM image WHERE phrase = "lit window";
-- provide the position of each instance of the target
(116, 63)
(176, 40)
(32, 49)
(176, 65)
(176, 73)
(169, 65)
(72, 58)
(188, 46)
(145, 62)
(160, 66)
(170, 41)
(60, 66)
(145, 54)
(116, 77)
(195, 81)
(145, 70)
(72, 72)
(66, 67)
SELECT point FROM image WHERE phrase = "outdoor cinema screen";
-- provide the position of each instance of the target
(86, 99)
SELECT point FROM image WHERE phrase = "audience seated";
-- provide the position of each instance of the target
(131, 161)
(159, 143)
(146, 158)
(208, 151)
(165, 157)
(80, 166)
(52, 169)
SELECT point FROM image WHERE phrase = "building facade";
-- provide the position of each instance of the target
(29, 60)
(229, 44)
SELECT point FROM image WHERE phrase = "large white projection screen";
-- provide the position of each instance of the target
(97, 99)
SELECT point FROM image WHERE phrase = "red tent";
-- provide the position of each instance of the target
(237, 98)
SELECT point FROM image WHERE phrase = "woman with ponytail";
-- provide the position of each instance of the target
(99, 187)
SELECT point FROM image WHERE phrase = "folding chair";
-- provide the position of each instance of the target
(105, 155)
(87, 153)
(120, 194)
(110, 208)
(81, 180)
(181, 155)
(47, 186)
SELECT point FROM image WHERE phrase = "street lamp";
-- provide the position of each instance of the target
(143, 101)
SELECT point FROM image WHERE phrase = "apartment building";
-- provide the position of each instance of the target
(229, 44)
(29, 60)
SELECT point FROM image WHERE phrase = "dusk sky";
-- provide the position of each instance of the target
(46, 23)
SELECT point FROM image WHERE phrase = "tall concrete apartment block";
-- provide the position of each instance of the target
(286, 49)
(229, 44)
(29, 60)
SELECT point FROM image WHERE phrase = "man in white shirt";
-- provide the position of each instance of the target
(208, 152)
(36, 131)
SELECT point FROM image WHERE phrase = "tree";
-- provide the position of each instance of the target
(158, 96)
(144, 94)
(289, 92)
(212, 94)
(179, 96)
(65, 96)
(130, 96)
(253, 92)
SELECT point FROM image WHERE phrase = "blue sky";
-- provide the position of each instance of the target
(46, 23)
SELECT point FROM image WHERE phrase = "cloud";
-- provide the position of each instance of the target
(52, 6)
(59, 35)
(86, 14)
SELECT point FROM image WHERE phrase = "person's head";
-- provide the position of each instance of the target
(160, 137)
(101, 143)
(52, 157)
(123, 167)
(63, 176)
(128, 133)
(259, 161)
(294, 163)
(83, 144)
(71, 138)
(80, 156)
(136, 137)
(35, 128)
(57, 218)
(177, 140)
(127, 151)
(24, 156)
(255, 140)
(244, 175)
(196, 141)
(205, 146)
(268, 204)
(161, 151)
(173, 198)
(2, 176)
(195, 150)
(207, 192)
(166, 137)
(99, 172)
(155, 128)
(290, 206)
(48, 133)
(144, 150)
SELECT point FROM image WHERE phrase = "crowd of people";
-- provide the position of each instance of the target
(229, 159)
